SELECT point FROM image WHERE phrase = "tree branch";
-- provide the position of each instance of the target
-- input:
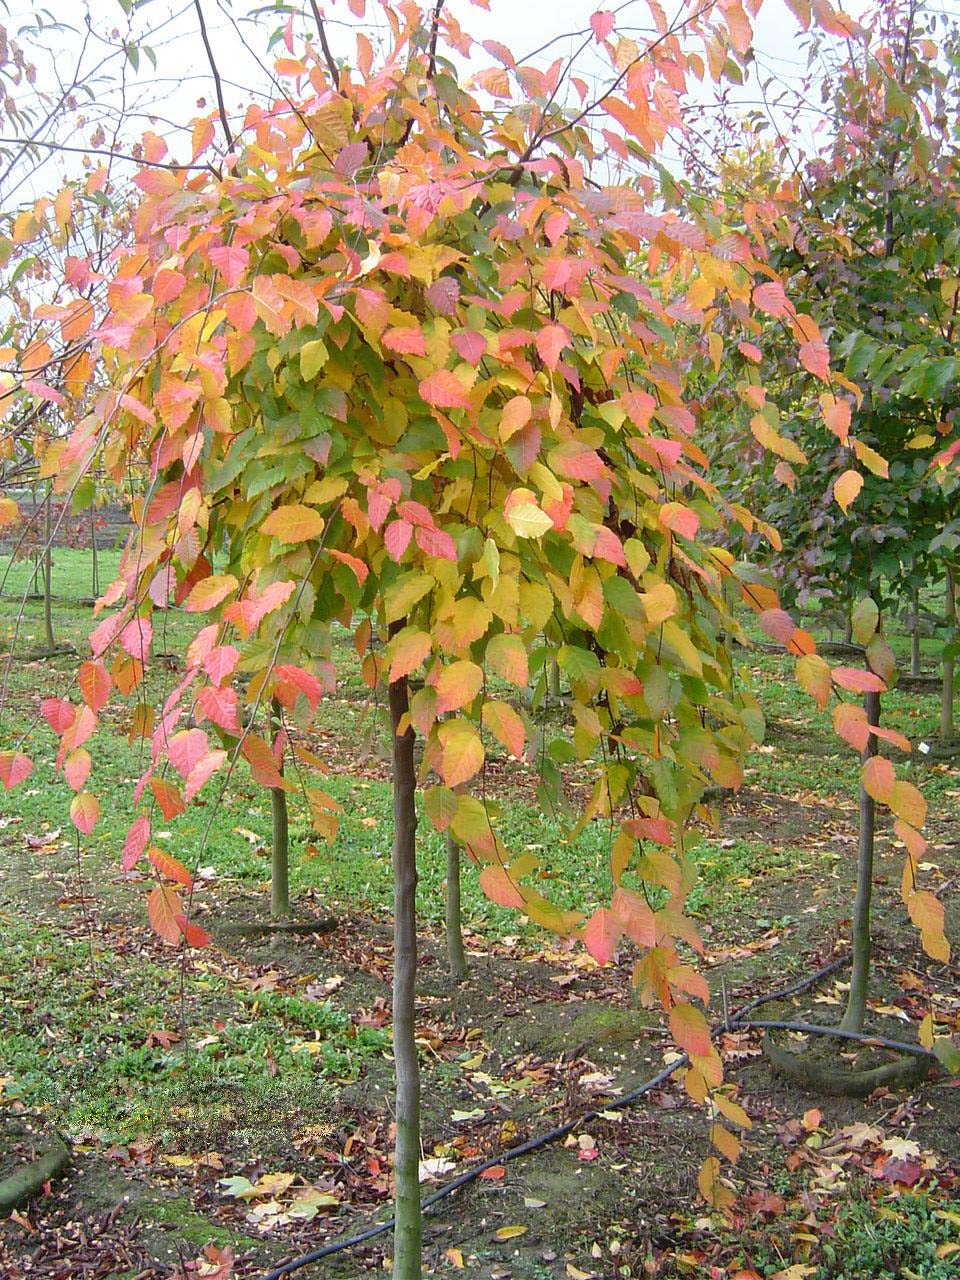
(221, 106)
(325, 46)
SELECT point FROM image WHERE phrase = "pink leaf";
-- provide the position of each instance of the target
(186, 748)
(603, 22)
(858, 681)
(15, 767)
(202, 770)
(469, 344)
(230, 262)
(220, 662)
(135, 638)
(220, 706)
(436, 542)
(396, 538)
(551, 340)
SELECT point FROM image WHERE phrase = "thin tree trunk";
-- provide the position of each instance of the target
(553, 679)
(48, 570)
(856, 1009)
(95, 580)
(915, 634)
(407, 1231)
(949, 663)
(280, 862)
(456, 955)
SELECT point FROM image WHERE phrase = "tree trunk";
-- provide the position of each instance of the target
(553, 679)
(95, 574)
(48, 570)
(949, 663)
(915, 634)
(280, 861)
(860, 930)
(456, 955)
(407, 1229)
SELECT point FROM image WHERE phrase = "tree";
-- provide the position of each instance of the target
(864, 215)
(398, 361)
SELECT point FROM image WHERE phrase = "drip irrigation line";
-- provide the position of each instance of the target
(737, 1019)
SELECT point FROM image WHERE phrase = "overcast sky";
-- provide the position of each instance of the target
(167, 98)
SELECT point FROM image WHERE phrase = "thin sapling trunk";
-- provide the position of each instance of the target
(48, 571)
(456, 955)
(949, 662)
(915, 634)
(280, 863)
(856, 1009)
(407, 1231)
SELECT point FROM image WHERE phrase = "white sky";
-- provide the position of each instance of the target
(166, 99)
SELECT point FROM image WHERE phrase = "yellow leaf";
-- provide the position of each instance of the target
(509, 1233)
(659, 603)
(313, 356)
(295, 523)
(528, 521)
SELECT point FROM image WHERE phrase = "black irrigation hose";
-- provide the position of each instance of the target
(736, 1019)
(862, 1037)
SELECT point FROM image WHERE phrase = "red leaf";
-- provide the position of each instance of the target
(59, 714)
(138, 837)
(679, 519)
(771, 298)
(194, 936)
(601, 935)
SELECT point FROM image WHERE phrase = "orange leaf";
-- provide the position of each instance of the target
(459, 684)
(878, 778)
(601, 935)
(507, 657)
(689, 1029)
(499, 888)
(163, 907)
(462, 752)
(846, 488)
(170, 867)
(209, 592)
(505, 725)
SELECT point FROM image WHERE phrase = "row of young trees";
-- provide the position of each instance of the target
(396, 352)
